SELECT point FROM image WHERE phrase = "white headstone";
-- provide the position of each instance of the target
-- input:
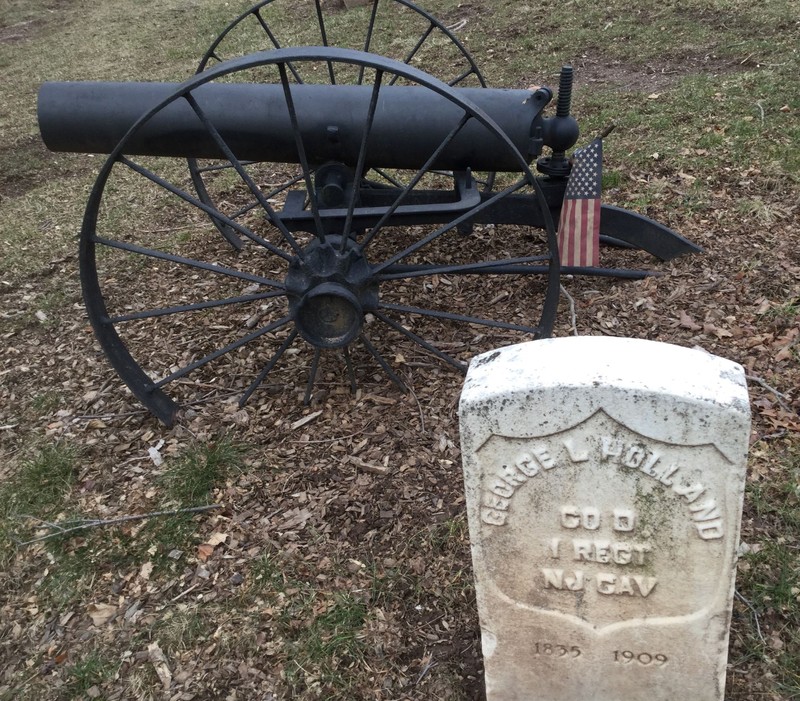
(604, 481)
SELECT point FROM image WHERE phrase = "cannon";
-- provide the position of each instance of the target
(334, 197)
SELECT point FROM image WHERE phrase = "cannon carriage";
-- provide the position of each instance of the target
(324, 198)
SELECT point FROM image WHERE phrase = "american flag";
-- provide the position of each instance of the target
(579, 225)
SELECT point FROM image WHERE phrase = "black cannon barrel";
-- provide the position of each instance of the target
(254, 121)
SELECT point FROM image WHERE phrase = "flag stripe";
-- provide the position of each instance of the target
(579, 224)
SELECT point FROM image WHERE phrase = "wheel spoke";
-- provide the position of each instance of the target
(312, 376)
(461, 367)
(255, 384)
(389, 178)
(459, 78)
(447, 227)
(191, 262)
(244, 210)
(213, 212)
(368, 38)
(382, 362)
(362, 155)
(220, 142)
(276, 191)
(507, 266)
(324, 36)
(274, 326)
(222, 166)
(274, 41)
(413, 182)
(301, 150)
(348, 362)
(462, 318)
(165, 311)
(417, 47)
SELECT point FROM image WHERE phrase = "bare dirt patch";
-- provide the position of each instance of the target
(595, 69)
(22, 165)
(19, 31)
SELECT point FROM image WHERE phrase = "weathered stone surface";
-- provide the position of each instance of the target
(604, 481)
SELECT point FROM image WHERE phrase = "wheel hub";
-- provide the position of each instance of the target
(330, 288)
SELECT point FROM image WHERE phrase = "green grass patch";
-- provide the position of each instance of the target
(267, 574)
(770, 579)
(182, 629)
(91, 670)
(38, 490)
(42, 483)
(326, 647)
(46, 402)
(190, 478)
(788, 311)
(776, 584)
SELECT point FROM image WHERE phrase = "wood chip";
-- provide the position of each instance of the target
(370, 467)
(305, 420)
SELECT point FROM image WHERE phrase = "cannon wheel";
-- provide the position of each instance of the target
(239, 314)
(257, 29)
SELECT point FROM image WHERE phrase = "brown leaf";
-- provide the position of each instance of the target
(295, 518)
(146, 570)
(216, 538)
(156, 655)
(775, 642)
(101, 613)
(686, 322)
(204, 551)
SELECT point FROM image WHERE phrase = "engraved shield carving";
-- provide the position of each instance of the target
(605, 526)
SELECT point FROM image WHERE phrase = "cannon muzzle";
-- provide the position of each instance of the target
(254, 121)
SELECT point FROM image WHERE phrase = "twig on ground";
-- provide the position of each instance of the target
(755, 615)
(337, 438)
(429, 665)
(782, 398)
(107, 415)
(419, 408)
(770, 436)
(184, 593)
(573, 319)
(761, 109)
(603, 134)
(457, 26)
(82, 524)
